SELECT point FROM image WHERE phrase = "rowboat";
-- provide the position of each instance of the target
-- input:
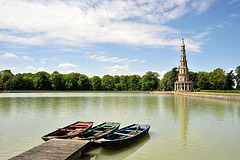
(124, 136)
(99, 131)
(69, 131)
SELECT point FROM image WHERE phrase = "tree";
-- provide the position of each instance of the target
(57, 81)
(150, 81)
(1, 84)
(6, 76)
(71, 81)
(169, 79)
(84, 82)
(203, 80)
(229, 83)
(124, 82)
(237, 71)
(217, 79)
(116, 83)
(42, 81)
(134, 82)
(160, 85)
(27, 83)
(17, 82)
(107, 82)
(172, 78)
(96, 83)
(194, 77)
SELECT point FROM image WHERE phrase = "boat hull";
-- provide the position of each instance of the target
(68, 131)
(114, 141)
(99, 131)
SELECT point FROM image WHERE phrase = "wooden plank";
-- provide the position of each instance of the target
(62, 149)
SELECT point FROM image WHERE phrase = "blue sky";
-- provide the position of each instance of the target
(118, 37)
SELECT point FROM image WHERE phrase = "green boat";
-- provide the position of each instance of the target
(99, 131)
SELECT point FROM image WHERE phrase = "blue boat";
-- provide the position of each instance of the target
(124, 136)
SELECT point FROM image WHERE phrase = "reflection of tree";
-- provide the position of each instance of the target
(182, 104)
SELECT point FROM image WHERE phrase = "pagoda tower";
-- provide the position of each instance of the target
(183, 84)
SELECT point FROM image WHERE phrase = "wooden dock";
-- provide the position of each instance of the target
(61, 149)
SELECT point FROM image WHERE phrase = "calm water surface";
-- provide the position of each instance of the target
(182, 128)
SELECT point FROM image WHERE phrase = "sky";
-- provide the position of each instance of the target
(118, 37)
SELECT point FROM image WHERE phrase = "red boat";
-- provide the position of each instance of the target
(69, 131)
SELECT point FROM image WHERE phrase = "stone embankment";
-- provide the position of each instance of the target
(202, 95)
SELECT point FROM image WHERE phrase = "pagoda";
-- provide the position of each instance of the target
(183, 84)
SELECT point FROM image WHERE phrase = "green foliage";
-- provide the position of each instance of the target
(217, 79)
(229, 84)
(84, 82)
(134, 83)
(42, 82)
(124, 82)
(237, 71)
(57, 81)
(1, 84)
(150, 81)
(71, 81)
(107, 83)
(169, 79)
(96, 83)
(6, 76)
(203, 80)
(194, 78)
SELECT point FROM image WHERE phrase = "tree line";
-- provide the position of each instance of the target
(76, 81)
(218, 79)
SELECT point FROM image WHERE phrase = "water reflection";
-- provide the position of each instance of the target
(106, 153)
(182, 104)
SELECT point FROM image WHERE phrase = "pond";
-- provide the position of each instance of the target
(182, 127)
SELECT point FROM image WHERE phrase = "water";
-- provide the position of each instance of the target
(182, 128)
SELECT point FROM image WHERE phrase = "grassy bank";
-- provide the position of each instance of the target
(221, 91)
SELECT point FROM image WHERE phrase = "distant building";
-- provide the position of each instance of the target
(183, 84)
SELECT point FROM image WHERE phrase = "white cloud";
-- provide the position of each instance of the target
(72, 22)
(27, 58)
(67, 65)
(233, 1)
(117, 69)
(234, 15)
(10, 56)
(201, 5)
(112, 59)
(33, 69)
(43, 61)
(201, 35)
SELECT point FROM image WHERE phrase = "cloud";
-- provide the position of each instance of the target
(112, 59)
(10, 56)
(117, 69)
(233, 1)
(201, 35)
(234, 15)
(67, 65)
(201, 5)
(27, 58)
(72, 22)
(43, 61)
(33, 69)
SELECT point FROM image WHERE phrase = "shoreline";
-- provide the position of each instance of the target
(220, 96)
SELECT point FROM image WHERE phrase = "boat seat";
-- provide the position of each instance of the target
(97, 131)
(78, 125)
(122, 134)
(129, 130)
